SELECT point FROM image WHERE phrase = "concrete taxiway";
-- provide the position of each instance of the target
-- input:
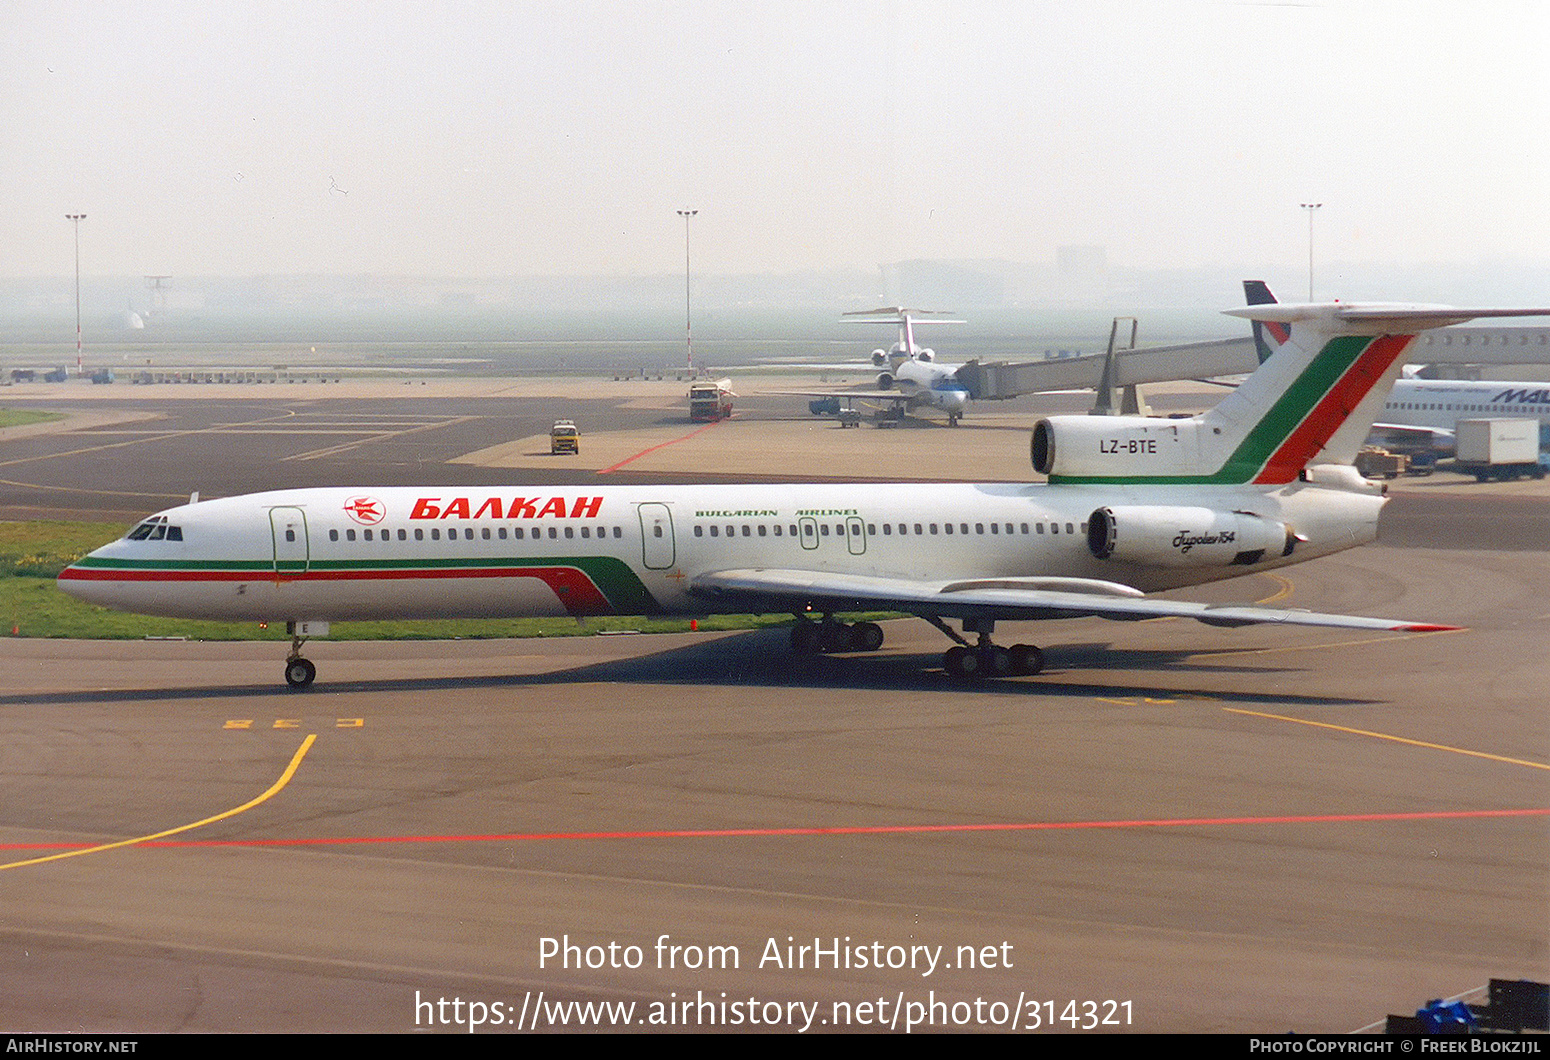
(1174, 828)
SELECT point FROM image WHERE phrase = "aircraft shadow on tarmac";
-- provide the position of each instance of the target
(762, 658)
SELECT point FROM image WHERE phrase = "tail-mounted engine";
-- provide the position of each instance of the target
(1161, 536)
(1124, 446)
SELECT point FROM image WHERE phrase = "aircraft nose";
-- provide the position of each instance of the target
(85, 580)
(72, 581)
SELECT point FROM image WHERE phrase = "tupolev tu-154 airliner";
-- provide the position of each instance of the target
(1132, 505)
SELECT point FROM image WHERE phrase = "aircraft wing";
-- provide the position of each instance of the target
(1430, 434)
(1007, 599)
(848, 395)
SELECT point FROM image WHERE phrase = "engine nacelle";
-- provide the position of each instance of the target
(879, 358)
(885, 381)
(1124, 446)
(1169, 536)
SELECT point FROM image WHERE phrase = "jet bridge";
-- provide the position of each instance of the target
(1000, 380)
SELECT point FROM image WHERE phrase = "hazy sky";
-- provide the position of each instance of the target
(489, 139)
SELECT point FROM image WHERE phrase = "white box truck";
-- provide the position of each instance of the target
(1498, 449)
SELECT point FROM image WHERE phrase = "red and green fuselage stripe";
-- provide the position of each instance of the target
(587, 585)
(1299, 423)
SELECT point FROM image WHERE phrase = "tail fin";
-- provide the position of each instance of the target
(1312, 401)
(1267, 337)
(1315, 399)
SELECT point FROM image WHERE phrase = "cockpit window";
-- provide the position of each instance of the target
(156, 529)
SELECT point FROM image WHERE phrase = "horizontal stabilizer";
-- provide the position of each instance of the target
(1374, 317)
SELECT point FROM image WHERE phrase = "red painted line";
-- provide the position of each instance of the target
(661, 445)
(897, 829)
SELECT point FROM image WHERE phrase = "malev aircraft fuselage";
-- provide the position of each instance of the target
(1439, 404)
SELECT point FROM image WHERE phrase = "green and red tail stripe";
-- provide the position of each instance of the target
(1368, 361)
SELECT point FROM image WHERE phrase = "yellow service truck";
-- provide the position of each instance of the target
(564, 438)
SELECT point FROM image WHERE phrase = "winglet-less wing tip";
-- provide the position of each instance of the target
(1427, 627)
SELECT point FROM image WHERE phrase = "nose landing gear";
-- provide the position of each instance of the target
(299, 672)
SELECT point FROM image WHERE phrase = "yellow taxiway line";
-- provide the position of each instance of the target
(274, 789)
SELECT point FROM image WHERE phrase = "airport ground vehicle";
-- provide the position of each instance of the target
(1376, 462)
(1499, 449)
(564, 438)
(709, 402)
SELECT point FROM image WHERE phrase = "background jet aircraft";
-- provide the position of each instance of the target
(911, 377)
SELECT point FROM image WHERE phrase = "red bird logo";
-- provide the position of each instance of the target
(366, 510)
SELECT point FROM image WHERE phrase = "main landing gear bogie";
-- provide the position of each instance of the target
(986, 661)
(822, 638)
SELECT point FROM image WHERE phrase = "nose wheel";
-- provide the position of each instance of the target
(299, 672)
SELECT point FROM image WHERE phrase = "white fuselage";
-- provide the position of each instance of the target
(355, 554)
(1438, 404)
(929, 383)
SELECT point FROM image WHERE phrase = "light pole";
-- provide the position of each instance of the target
(77, 218)
(1310, 207)
(688, 327)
